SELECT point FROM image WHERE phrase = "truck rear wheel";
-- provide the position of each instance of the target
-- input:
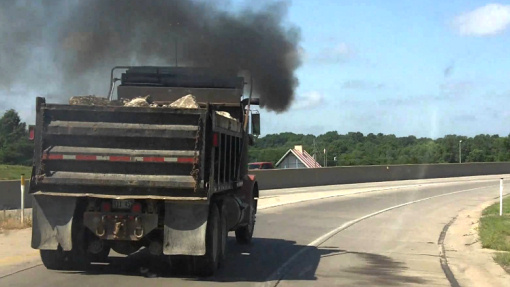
(63, 260)
(75, 259)
(101, 256)
(206, 265)
(244, 234)
(53, 259)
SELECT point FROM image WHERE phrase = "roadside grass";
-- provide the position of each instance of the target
(10, 222)
(11, 172)
(503, 259)
(494, 231)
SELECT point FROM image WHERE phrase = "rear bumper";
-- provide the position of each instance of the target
(120, 226)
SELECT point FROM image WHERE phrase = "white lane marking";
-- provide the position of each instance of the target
(279, 273)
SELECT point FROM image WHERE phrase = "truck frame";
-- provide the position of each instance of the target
(172, 180)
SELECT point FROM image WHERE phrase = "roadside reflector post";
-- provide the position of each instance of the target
(501, 197)
(22, 198)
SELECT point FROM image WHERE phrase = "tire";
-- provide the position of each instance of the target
(64, 260)
(223, 235)
(53, 259)
(101, 256)
(207, 264)
(244, 234)
(77, 259)
(181, 264)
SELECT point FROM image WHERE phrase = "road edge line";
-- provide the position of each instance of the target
(442, 254)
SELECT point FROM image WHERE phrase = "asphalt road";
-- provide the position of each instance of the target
(378, 238)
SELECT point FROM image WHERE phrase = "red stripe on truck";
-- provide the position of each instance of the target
(185, 160)
(120, 158)
(154, 159)
(86, 157)
(53, 156)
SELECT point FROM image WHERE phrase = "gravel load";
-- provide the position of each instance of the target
(186, 102)
(138, 102)
(89, 101)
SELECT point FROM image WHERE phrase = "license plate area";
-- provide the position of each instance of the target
(122, 204)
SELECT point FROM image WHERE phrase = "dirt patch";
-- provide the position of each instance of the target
(471, 264)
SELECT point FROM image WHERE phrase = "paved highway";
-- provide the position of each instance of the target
(386, 235)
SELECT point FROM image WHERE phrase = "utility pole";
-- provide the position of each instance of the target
(460, 151)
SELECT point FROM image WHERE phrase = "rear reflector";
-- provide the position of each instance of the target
(106, 206)
(31, 133)
(215, 139)
(185, 160)
(137, 207)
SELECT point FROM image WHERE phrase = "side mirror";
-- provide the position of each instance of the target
(255, 123)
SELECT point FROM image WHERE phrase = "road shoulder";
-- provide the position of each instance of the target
(16, 253)
(470, 263)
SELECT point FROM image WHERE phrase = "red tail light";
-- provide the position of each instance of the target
(137, 207)
(215, 139)
(31, 133)
(106, 206)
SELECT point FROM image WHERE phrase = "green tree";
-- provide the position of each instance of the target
(15, 148)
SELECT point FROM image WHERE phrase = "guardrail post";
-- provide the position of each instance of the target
(22, 198)
(501, 197)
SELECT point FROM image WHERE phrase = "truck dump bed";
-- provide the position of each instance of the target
(135, 152)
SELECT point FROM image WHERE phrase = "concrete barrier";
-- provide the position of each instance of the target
(10, 195)
(287, 178)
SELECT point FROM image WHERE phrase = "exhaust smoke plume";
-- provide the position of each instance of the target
(68, 47)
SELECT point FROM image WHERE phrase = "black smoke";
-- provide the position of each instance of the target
(72, 44)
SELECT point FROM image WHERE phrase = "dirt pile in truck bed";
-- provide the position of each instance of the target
(138, 102)
(89, 101)
(186, 102)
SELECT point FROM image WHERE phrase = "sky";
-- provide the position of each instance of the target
(423, 68)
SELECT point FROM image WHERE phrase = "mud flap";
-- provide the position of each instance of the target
(185, 228)
(52, 221)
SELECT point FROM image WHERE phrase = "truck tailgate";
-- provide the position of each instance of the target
(119, 150)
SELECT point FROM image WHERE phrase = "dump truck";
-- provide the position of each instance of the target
(171, 180)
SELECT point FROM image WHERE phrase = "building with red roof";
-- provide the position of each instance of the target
(297, 158)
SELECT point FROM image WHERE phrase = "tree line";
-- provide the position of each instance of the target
(355, 148)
